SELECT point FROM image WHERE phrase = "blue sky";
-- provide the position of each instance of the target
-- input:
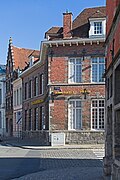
(26, 21)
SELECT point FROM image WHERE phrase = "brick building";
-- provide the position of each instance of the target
(74, 87)
(35, 106)
(17, 59)
(112, 143)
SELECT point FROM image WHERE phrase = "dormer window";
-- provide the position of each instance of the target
(97, 28)
(97, 25)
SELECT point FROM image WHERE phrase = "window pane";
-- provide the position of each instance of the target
(72, 104)
(94, 73)
(74, 114)
(101, 72)
(94, 103)
(78, 103)
(78, 119)
(94, 60)
(97, 27)
(98, 66)
(101, 60)
(78, 73)
(75, 71)
(78, 61)
(98, 114)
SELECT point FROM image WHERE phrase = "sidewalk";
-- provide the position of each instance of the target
(36, 145)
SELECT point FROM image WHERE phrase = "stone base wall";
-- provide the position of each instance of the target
(71, 137)
(83, 137)
(40, 136)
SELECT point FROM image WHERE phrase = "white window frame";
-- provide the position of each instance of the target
(98, 72)
(70, 80)
(95, 20)
(98, 110)
(70, 127)
(98, 22)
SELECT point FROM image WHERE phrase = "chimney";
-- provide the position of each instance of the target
(67, 25)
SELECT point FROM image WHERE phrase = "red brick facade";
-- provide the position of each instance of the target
(63, 91)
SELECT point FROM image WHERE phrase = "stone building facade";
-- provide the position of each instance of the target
(112, 142)
(74, 87)
(17, 59)
(17, 107)
(2, 100)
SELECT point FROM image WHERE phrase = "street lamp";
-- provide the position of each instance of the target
(85, 93)
(83, 53)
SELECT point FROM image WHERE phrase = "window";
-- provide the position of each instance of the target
(97, 28)
(6, 124)
(17, 97)
(41, 84)
(26, 114)
(26, 89)
(11, 102)
(20, 95)
(98, 66)
(14, 98)
(75, 114)
(36, 119)
(75, 70)
(98, 114)
(0, 96)
(42, 120)
(0, 119)
(30, 89)
(30, 120)
(36, 86)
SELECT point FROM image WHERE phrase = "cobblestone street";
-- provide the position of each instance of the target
(66, 164)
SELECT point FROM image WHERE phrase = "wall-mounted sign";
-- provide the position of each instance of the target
(38, 101)
(85, 92)
(63, 92)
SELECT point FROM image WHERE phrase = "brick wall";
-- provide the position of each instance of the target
(58, 74)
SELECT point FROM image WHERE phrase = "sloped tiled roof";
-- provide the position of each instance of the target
(80, 25)
(21, 56)
(84, 16)
(98, 14)
(55, 32)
